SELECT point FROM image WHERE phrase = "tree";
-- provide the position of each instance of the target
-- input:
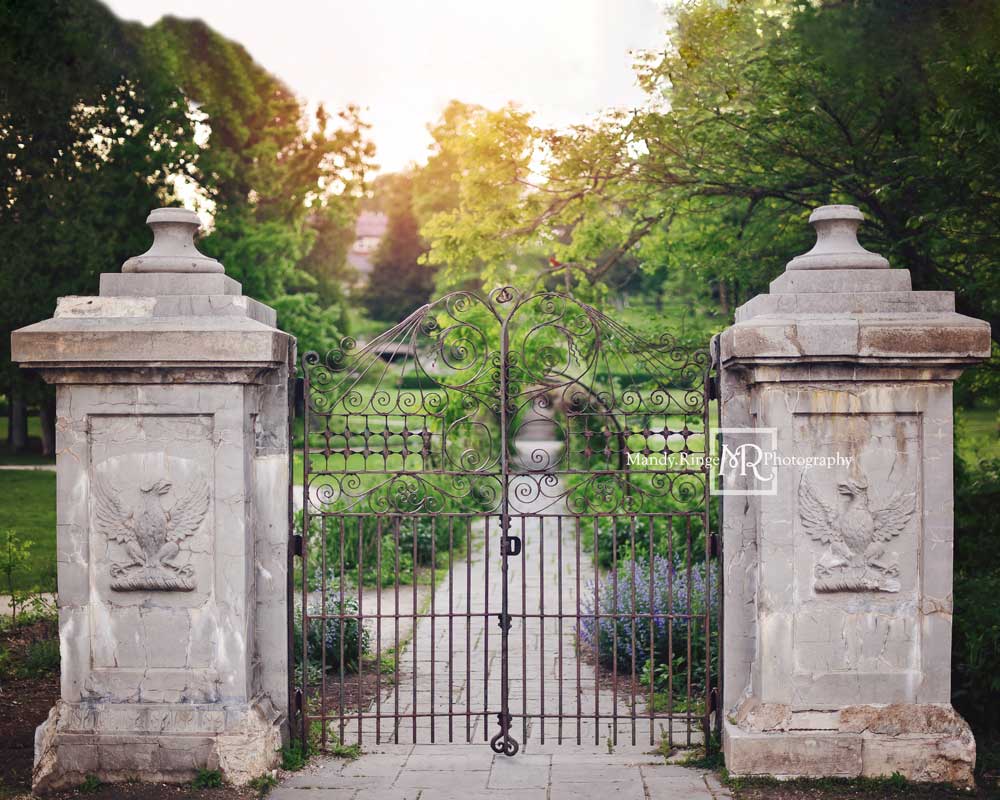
(758, 111)
(284, 183)
(90, 132)
(398, 283)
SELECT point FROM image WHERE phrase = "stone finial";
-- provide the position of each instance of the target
(173, 248)
(837, 244)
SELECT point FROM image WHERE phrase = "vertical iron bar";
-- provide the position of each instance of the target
(559, 548)
(468, 630)
(689, 627)
(524, 633)
(503, 739)
(652, 638)
(579, 639)
(451, 630)
(433, 614)
(378, 630)
(361, 622)
(413, 630)
(486, 636)
(541, 625)
(304, 712)
(614, 628)
(634, 621)
(597, 633)
(341, 697)
(670, 630)
(397, 521)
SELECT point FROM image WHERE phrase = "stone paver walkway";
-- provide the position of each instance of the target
(471, 772)
(449, 685)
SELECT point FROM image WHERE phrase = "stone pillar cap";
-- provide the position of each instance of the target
(837, 244)
(173, 248)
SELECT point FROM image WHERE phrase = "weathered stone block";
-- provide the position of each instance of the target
(838, 579)
(172, 525)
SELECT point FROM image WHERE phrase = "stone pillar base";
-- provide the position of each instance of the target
(925, 743)
(164, 743)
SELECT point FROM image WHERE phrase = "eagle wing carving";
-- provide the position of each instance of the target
(818, 516)
(891, 520)
(110, 517)
(184, 519)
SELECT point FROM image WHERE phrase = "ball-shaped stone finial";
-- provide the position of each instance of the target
(173, 248)
(837, 244)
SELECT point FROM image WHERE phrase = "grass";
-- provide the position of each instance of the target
(29, 508)
(31, 457)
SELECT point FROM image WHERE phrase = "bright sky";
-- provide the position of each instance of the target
(403, 60)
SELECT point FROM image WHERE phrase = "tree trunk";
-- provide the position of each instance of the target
(723, 297)
(18, 420)
(47, 419)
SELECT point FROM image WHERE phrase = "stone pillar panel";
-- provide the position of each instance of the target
(839, 578)
(172, 472)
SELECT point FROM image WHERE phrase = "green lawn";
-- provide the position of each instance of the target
(32, 457)
(29, 499)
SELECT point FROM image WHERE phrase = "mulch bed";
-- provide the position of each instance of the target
(24, 704)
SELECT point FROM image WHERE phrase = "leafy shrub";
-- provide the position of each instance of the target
(207, 779)
(615, 635)
(325, 636)
(293, 756)
(41, 656)
(976, 635)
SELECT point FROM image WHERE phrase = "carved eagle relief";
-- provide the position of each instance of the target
(150, 534)
(855, 535)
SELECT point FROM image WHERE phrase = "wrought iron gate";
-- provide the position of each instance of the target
(486, 448)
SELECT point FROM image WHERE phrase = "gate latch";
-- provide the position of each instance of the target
(510, 546)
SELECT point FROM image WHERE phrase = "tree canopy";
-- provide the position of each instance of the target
(758, 110)
(103, 120)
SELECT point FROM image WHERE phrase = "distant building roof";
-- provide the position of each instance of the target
(371, 223)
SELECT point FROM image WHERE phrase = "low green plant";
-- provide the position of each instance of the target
(207, 779)
(15, 553)
(41, 656)
(293, 756)
(338, 749)
(90, 785)
(706, 759)
(263, 784)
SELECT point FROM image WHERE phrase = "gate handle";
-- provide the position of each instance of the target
(513, 546)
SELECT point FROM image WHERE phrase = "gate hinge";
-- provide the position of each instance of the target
(713, 545)
(713, 386)
(713, 700)
(295, 542)
(298, 701)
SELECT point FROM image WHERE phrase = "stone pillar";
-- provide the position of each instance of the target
(172, 513)
(838, 575)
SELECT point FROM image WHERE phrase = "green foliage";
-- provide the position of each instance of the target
(263, 784)
(14, 554)
(29, 508)
(399, 283)
(976, 632)
(336, 637)
(294, 756)
(103, 120)
(208, 779)
(41, 656)
(90, 785)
